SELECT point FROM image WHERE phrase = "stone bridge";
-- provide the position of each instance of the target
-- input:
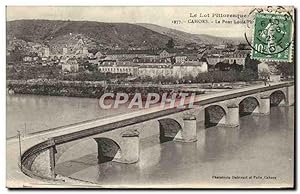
(117, 138)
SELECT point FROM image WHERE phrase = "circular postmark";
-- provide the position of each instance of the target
(271, 32)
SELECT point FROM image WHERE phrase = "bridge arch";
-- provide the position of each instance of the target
(108, 149)
(168, 129)
(70, 151)
(215, 114)
(277, 98)
(249, 105)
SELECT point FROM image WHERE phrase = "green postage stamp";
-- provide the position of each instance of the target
(272, 37)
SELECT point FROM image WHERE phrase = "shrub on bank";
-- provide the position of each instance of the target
(205, 77)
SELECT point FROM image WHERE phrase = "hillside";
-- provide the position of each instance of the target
(180, 36)
(58, 34)
(94, 34)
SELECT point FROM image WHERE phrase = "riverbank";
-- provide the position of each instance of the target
(90, 89)
(95, 89)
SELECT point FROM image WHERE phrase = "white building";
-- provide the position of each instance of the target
(69, 65)
(180, 58)
(237, 57)
(155, 67)
(46, 52)
(181, 70)
(65, 51)
(164, 54)
(113, 66)
(85, 51)
(155, 71)
(98, 55)
(27, 59)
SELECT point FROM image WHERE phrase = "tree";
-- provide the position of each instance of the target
(72, 69)
(170, 43)
(286, 69)
(264, 74)
(247, 75)
(223, 66)
(89, 66)
(237, 67)
(251, 63)
(242, 46)
(16, 55)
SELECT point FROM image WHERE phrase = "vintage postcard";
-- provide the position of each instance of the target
(150, 97)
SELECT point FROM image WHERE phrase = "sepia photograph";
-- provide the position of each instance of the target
(150, 97)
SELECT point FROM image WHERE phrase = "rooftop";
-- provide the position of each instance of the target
(150, 60)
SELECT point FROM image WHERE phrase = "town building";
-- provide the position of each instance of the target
(144, 67)
(69, 64)
(220, 47)
(65, 51)
(237, 57)
(27, 59)
(85, 51)
(46, 52)
(114, 66)
(91, 56)
(165, 54)
(130, 54)
(152, 61)
(189, 68)
(155, 71)
(180, 58)
(98, 55)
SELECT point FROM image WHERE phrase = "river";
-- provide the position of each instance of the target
(259, 152)
(32, 113)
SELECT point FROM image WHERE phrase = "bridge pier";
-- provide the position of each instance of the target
(264, 107)
(290, 95)
(200, 118)
(233, 116)
(189, 130)
(130, 147)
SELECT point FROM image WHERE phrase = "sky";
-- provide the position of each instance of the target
(163, 16)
